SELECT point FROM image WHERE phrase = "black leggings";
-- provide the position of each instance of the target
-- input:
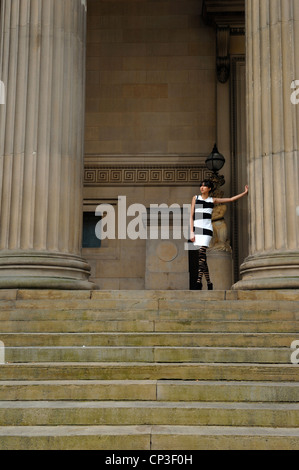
(203, 269)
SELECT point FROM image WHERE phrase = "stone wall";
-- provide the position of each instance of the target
(150, 78)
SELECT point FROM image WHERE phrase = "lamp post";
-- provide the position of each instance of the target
(214, 163)
(220, 251)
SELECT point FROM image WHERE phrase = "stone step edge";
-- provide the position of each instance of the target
(107, 364)
(175, 348)
(187, 314)
(146, 429)
(150, 371)
(15, 294)
(150, 354)
(227, 339)
(177, 382)
(148, 326)
(147, 437)
(153, 390)
(151, 306)
(145, 333)
(138, 404)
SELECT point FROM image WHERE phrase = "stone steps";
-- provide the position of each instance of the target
(156, 308)
(148, 370)
(173, 354)
(147, 437)
(163, 390)
(128, 413)
(44, 294)
(267, 340)
(228, 312)
(172, 325)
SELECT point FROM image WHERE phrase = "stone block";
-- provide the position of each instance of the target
(175, 281)
(131, 283)
(166, 265)
(220, 268)
(106, 146)
(158, 90)
(75, 437)
(8, 294)
(52, 294)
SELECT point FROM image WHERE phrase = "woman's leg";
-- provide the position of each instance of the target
(203, 269)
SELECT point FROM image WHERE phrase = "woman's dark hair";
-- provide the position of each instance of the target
(208, 183)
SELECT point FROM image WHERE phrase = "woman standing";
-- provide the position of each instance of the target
(201, 228)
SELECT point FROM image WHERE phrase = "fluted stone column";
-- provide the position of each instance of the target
(41, 144)
(272, 28)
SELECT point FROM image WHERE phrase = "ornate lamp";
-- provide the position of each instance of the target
(214, 163)
(215, 160)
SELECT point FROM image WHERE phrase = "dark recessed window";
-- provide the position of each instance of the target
(90, 221)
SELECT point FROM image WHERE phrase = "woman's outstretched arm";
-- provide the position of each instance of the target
(219, 200)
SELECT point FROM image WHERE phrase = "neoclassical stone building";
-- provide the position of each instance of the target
(119, 102)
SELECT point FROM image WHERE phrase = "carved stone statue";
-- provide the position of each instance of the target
(220, 241)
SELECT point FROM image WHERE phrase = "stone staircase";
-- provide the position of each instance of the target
(149, 370)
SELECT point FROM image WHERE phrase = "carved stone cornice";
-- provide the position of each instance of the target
(221, 13)
(228, 18)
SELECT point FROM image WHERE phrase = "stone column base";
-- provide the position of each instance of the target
(43, 271)
(270, 271)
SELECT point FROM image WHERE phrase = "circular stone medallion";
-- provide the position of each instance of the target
(167, 251)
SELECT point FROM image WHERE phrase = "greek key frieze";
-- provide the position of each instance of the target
(143, 175)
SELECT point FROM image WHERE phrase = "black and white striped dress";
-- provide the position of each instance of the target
(203, 228)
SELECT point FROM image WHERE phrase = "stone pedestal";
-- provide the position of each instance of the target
(41, 144)
(272, 29)
(220, 269)
(167, 265)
